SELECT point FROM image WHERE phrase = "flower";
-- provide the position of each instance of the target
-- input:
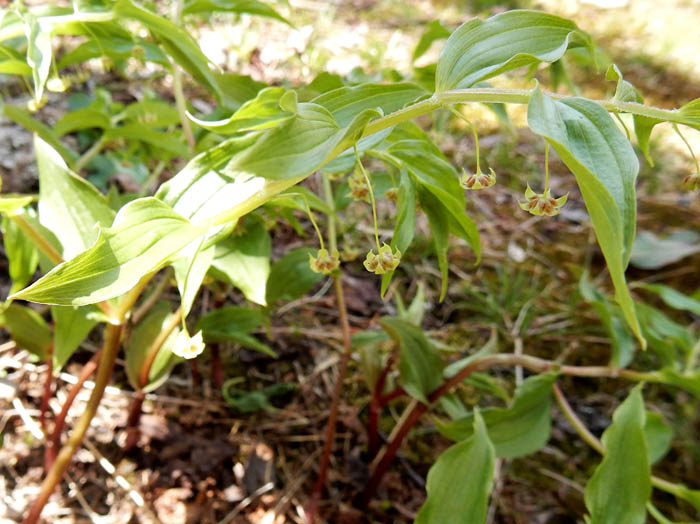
(324, 262)
(692, 182)
(478, 180)
(34, 105)
(57, 84)
(385, 260)
(358, 187)
(188, 347)
(392, 194)
(542, 204)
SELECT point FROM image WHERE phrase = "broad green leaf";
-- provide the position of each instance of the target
(672, 298)
(152, 113)
(404, 227)
(291, 277)
(346, 103)
(237, 89)
(605, 167)
(622, 342)
(243, 260)
(176, 41)
(478, 49)
(23, 118)
(116, 48)
(518, 430)
(439, 221)
(653, 252)
(12, 204)
(145, 235)
(300, 146)
(626, 92)
(159, 139)
(233, 324)
(39, 52)
(69, 206)
(190, 272)
(421, 365)
(433, 32)
(460, 481)
(13, 63)
(262, 112)
(22, 256)
(658, 436)
(667, 338)
(620, 487)
(71, 326)
(84, 118)
(27, 328)
(253, 7)
(141, 343)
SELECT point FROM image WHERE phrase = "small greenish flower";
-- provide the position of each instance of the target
(358, 187)
(392, 194)
(324, 262)
(385, 260)
(542, 204)
(58, 84)
(33, 106)
(692, 182)
(188, 347)
(478, 180)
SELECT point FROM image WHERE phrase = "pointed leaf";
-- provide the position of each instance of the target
(190, 272)
(23, 118)
(605, 167)
(27, 328)
(71, 326)
(654, 252)
(433, 31)
(84, 118)
(673, 298)
(460, 481)
(22, 256)
(115, 47)
(405, 221)
(620, 487)
(478, 49)
(233, 324)
(658, 436)
(146, 233)
(291, 277)
(39, 52)
(253, 7)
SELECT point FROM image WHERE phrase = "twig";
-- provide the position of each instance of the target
(48, 387)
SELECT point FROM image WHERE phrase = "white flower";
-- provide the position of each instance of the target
(187, 346)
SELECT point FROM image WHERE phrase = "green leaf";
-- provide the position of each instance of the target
(39, 52)
(159, 139)
(605, 167)
(13, 63)
(145, 235)
(237, 89)
(23, 118)
(22, 256)
(13, 204)
(71, 326)
(404, 227)
(176, 41)
(478, 49)
(152, 113)
(291, 277)
(262, 112)
(140, 344)
(243, 260)
(672, 298)
(84, 118)
(253, 7)
(433, 31)
(690, 113)
(653, 252)
(116, 48)
(69, 206)
(620, 487)
(190, 272)
(233, 324)
(460, 481)
(689, 381)
(421, 365)
(439, 221)
(658, 436)
(518, 430)
(27, 328)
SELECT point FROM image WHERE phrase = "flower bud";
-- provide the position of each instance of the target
(58, 84)
(542, 204)
(33, 105)
(358, 187)
(392, 195)
(188, 347)
(324, 262)
(692, 182)
(478, 180)
(385, 260)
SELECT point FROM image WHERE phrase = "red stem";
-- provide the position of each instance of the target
(48, 389)
(392, 395)
(375, 407)
(217, 374)
(54, 442)
(133, 432)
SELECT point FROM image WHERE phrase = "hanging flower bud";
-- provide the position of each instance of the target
(385, 260)
(392, 194)
(188, 347)
(324, 262)
(542, 204)
(358, 187)
(33, 106)
(478, 180)
(58, 84)
(692, 182)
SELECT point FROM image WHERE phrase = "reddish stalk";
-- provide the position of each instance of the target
(48, 389)
(133, 431)
(55, 441)
(194, 370)
(217, 373)
(333, 415)
(375, 407)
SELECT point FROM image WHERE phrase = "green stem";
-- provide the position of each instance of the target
(546, 167)
(90, 154)
(371, 197)
(177, 87)
(693, 358)
(476, 136)
(695, 159)
(37, 238)
(328, 195)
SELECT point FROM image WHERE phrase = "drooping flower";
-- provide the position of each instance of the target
(542, 204)
(58, 84)
(392, 194)
(188, 347)
(385, 260)
(478, 180)
(692, 182)
(358, 186)
(324, 262)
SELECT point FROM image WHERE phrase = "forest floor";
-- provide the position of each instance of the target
(202, 461)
